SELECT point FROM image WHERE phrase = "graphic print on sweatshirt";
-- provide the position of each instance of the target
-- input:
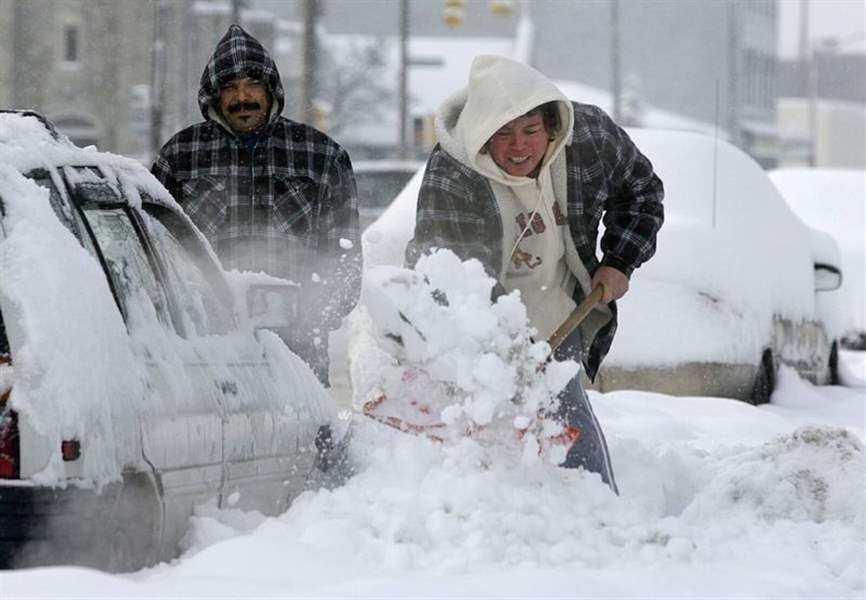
(523, 257)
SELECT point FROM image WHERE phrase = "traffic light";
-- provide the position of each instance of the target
(453, 13)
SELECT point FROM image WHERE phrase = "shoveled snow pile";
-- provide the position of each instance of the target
(784, 517)
(455, 359)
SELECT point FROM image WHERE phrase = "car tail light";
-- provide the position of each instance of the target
(70, 449)
(10, 454)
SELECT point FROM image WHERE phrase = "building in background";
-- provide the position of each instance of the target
(839, 104)
(92, 65)
(708, 62)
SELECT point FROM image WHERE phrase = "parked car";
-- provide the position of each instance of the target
(738, 286)
(379, 182)
(132, 384)
(834, 200)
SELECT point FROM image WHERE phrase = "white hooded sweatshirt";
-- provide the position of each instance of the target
(539, 258)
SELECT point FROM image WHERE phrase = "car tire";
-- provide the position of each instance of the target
(833, 365)
(765, 380)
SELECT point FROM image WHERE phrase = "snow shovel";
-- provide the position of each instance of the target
(415, 416)
(576, 317)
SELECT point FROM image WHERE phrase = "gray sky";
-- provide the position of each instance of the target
(845, 19)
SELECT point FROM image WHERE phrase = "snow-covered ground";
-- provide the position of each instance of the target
(718, 499)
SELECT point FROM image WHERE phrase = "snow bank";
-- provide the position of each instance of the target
(766, 513)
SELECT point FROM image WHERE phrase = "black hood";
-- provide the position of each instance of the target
(238, 55)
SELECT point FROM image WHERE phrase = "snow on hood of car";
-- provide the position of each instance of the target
(730, 256)
(75, 376)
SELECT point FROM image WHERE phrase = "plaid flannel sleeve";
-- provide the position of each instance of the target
(162, 170)
(449, 215)
(634, 212)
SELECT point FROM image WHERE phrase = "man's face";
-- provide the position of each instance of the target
(519, 145)
(245, 104)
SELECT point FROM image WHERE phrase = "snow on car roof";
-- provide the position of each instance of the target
(27, 144)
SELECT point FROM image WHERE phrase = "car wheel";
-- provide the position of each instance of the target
(765, 380)
(833, 364)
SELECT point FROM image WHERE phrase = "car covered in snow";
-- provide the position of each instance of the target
(134, 382)
(738, 286)
(834, 200)
(379, 182)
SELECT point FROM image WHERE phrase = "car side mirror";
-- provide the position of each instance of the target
(272, 306)
(827, 278)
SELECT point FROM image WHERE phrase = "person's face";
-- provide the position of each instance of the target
(519, 145)
(245, 104)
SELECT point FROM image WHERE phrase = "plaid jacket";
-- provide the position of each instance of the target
(608, 181)
(288, 208)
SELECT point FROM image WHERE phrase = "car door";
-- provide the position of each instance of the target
(268, 427)
(181, 428)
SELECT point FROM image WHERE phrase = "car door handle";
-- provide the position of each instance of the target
(228, 386)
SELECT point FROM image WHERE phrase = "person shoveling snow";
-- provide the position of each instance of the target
(456, 363)
(520, 180)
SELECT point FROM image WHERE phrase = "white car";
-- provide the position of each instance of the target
(132, 386)
(834, 200)
(379, 182)
(738, 286)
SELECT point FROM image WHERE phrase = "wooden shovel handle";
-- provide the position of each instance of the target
(575, 318)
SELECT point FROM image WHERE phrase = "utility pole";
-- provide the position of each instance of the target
(157, 78)
(809, 82)
(615, 68)
(308, 69)
(404, 76)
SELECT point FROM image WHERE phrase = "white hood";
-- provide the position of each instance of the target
(499, 91)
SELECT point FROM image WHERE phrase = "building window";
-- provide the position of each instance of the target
(70, 44)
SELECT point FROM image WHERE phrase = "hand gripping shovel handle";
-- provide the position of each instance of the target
(575, 318)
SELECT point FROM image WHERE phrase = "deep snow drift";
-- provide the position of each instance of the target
(718, 498)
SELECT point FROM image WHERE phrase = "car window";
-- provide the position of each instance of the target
(202, 306)
(141, 296)
(376, 189)
(61, 209)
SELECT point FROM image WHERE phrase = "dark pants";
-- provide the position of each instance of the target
(590, 449)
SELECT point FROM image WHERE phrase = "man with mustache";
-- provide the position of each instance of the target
(270, 194)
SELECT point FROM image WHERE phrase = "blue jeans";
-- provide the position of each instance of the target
(590, 449)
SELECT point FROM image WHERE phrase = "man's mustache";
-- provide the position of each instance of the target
(246, 106)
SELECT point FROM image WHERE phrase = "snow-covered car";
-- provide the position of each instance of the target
(132, 388)
(738, 286)
(379, 182)
(834, 200)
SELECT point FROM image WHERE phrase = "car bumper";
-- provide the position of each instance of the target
(115, 528)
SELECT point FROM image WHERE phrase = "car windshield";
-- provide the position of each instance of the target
(376, 189)
(202, 310)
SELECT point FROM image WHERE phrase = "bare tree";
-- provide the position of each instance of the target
(356, 90)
